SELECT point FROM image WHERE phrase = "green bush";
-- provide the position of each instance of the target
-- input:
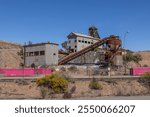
(95, 85)
(53, 82)
(59, 85)
(146, 75)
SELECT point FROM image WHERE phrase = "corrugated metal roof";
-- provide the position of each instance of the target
(39, 44)
(82, 35)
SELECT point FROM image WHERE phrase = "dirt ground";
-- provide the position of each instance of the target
(19, 89)
(22, 89)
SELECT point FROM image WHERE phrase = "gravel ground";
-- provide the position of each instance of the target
(117, 98)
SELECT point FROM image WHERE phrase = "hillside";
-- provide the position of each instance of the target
(9, 54)
(145, 58)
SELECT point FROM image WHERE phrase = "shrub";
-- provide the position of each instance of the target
(146, 75)
(64, 75)
(43, 92)
(68, 94)
(58, 85)
(95, 85)
(67, 77)
(53, 82)
(73, 89)
(44, 81)
(33, 65)
(73, 69)
(145, 65)
(63, 69)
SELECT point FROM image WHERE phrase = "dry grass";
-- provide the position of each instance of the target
(30, 90)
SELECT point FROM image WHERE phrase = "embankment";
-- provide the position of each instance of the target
(27, 89)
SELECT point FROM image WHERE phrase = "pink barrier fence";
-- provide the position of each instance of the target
(1, 71)
(24, 72)
(43, 71)
(19, 72)
(139, 70)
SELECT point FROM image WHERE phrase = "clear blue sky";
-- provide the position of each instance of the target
(52, 20)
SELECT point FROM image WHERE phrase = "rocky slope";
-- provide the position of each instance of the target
(9, 54)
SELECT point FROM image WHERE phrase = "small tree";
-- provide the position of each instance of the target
(129, 57)
(132, 57)
(22, 65)
(21, 53)
(137, 58)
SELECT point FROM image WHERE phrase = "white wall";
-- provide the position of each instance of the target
(48, 59)
(51, 54)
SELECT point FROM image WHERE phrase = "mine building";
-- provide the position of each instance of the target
(77, 42)
(91, 49)
(41, 54)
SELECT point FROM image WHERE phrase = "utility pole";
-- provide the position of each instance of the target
(125, 52)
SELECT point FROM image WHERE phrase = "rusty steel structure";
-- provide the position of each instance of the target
(93, 31)
(113, 44)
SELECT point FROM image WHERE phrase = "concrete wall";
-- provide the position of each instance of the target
(79, 43)
(49, 58)
(37, 60)
(51, 54)
(90, 57)
(72, 44)
(84, 42)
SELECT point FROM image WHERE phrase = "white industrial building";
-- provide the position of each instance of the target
(41, 54)
(77, 42)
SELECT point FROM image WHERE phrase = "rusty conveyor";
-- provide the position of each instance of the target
(83, 51)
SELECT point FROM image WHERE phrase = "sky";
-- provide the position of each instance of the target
(52, 20)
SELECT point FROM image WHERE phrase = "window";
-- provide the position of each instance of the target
(82, 41)
(75, 46)
(42, 52)
(85, 41)
(72, 50)
(54, 54)
(36, 53)
(30, 53)
(88, 42)
(75, 40)
(91, 42)
(79, 40)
